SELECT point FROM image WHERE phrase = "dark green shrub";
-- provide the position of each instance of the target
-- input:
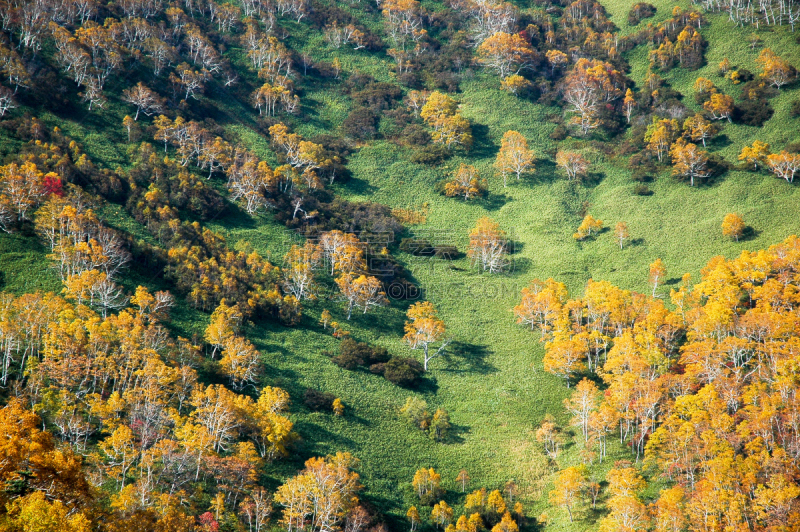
(317, 400)
(642, 190)
(402, 371)
(432, 155)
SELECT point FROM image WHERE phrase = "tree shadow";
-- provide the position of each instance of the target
(672, 281)
(749, 233)
(519, 265)
(482, 144)
(719, 142)
(234, 217)
(471, 358)
(424, 385)
(360, 186)
(546, 172)
(495, 201)
(592, 179)
(636, 242)
(456, 434)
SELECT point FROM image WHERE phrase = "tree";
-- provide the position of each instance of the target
(506, 53)
(426, 483)
(588, 225)
(240, 362)
(506, 524)
(515, 84)
(621, 233)
(514, 156)
(466, 182)
(7, 101)
(669, 512)
(338, 407)
(463, 479)
(628, 105)
(145, 100)
(449, 128)
(550, 436)
(755, 154)
(784, 164)
(733, 225)
(581, 404)
(688, 161)
(776, 70)
(589, 85)
(224, 324)
(424, 329)
(541, 305)
(574, 164)
(488, 246)
(361, 291)
(440, 424)
(697, 128)
(442, 514)
(657, 274)
(660, 135)
(567, 489)
(557, 59)
(35, 513)
(720, 106)
(564, 358)
(413, 516)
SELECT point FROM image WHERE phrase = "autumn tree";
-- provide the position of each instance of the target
(442, 514)
(720, 106)
(628, 105)
(506, 53)
(463, 479)
(488, 246)
(424, 329)
(590, 225)
(660, 135)
(697, 128)
(657, 274)
(573, 163)
(621, 233)
(541, 305)
(361, 291)
(688, 161)
(784, 164)
(466, 183)
(145, 100)
(776, 71)
(567, 489)
(590, 85)
(756, 154)
(450, 129)
(733, 225)
(581, 404)
(426, 483)
(514, 156)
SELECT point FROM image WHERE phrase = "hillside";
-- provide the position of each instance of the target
(204, 206)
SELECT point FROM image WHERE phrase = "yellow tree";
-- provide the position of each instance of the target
(466, 182)
(449, 128)
(225, 323)
(426, 483)
(424, 329)
(657, 274)
(756, 154)
(621, 233)
(589, 225)
(542, 303)
(669, 510)
(581, 405)
(413, 515)
(361, 291)
(567, 489)
(784, 164)
(688, 161)
(506, 524)
(463, 479)
(628, 104)
(733, 225)
(507, 53)
(442, 514)
(697, 128)
(514, 156)
(776, 70)
(488, 246)
(573, 163)
(564, 358)
(720, 106)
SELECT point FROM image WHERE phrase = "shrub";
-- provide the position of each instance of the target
(559, 133)
(416, 135)
(317, 400)
(353, 354)
(795, 110)
(639, 12)
(642, 190)
(402, 371)
(415, 412)
(361, 123)
(753, 112)
(431, 155)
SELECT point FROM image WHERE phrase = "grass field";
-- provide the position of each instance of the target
(492, 381)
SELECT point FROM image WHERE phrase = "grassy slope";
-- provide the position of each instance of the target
(493, 384)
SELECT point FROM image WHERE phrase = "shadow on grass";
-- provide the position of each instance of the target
(749, 233)
(494, 202)
(456, 434)
(482, 144)
(469, 358)
(360, 186)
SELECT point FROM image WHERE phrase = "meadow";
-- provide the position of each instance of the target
(491, 381)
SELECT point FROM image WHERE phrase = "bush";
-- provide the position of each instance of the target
(402, 371)
(361, 123)
(639, 12)
(795, 110)
(559, 133)
(416, 135)
(317, 400)
(353, 354)
(642, 190)
(431, 155)
(753, 112)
